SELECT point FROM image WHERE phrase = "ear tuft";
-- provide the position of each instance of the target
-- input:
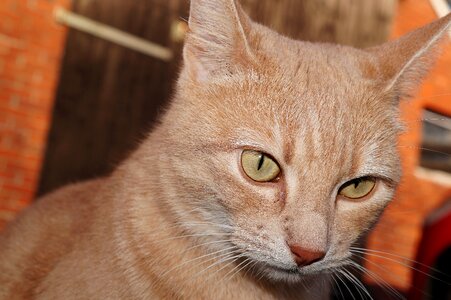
(404, 63)
(217, 42)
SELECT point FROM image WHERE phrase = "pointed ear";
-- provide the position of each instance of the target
(403, 63)
(217, 41)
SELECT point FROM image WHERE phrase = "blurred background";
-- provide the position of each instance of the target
(82, 81)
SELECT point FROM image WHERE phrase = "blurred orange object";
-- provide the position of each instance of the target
(400, 229)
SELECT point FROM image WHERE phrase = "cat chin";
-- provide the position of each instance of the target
(286, 275)
(283, 275)
(297, 275)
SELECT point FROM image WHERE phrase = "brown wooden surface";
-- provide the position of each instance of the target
(109, 96)
(359, 23)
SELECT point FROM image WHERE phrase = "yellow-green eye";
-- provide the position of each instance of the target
(259, 166)
(357, 188)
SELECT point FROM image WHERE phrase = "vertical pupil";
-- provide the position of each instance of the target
(357, 182)
(260, 162)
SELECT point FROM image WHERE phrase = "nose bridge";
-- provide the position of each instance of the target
(306, 218)
(309, 196)
(307, 212)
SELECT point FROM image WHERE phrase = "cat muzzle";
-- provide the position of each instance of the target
(304, 257)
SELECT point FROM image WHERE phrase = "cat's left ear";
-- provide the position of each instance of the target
(217, 42)
(403, 63)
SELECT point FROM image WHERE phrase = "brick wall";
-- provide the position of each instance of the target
(400, 230)
(31, 46)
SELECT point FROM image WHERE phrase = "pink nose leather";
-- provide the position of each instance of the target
(304, 257)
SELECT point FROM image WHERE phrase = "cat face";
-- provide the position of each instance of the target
(319, 141)
(287, 150)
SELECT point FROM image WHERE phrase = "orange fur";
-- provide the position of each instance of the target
(167, 222)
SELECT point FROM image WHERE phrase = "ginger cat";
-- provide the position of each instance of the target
(274, 156)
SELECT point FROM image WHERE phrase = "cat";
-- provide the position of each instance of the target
(273, 157)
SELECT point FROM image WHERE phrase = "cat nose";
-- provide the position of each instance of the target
(304, 257)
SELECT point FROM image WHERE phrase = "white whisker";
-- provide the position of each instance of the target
(344, 283)
(358, 284)
(401, 263)
(380, 281)
(337, 285)
(197, 258)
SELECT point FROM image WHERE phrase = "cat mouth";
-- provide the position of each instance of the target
(303, 271)
(289, 271)
(284, 274)
(294, 274)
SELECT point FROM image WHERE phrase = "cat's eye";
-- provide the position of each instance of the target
(259, 166)
(358, 188)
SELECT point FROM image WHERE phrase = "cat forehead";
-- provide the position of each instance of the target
(263, 103)
(278, 93)
(299, 82)
(321, 62)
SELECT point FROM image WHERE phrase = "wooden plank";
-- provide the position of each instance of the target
(111, 34)
(349, 22)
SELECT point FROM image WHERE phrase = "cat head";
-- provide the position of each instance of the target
(281, 150)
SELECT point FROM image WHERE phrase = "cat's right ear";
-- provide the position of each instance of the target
(217, 40)
(404, 63)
